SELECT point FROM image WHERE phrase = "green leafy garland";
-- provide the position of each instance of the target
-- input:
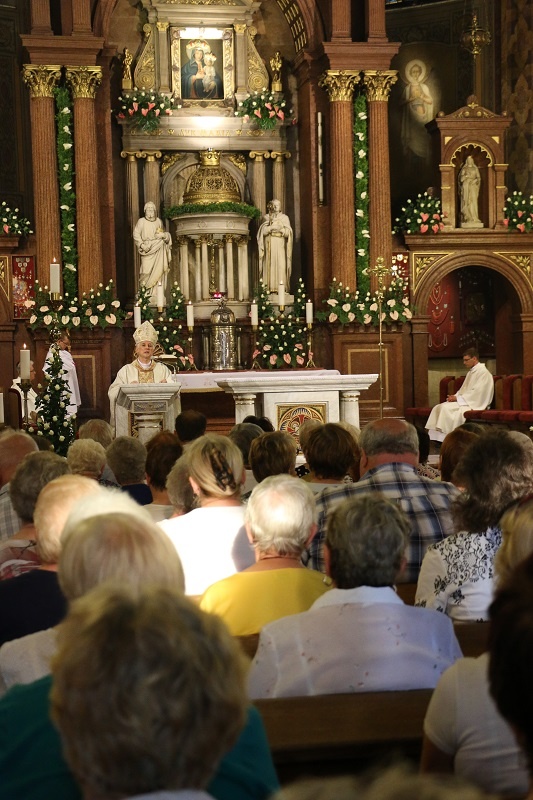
(281, 340)
(67, 196)
(51, 405)
(362, 233)
(518, 212)
(212, 208)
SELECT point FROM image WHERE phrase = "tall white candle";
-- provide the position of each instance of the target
(160, 296)
(309, 312)
(1, 407)
(281, 295)
(190, 315)
(25, 364)
(255, 314)
(55, 278)
(137, 316)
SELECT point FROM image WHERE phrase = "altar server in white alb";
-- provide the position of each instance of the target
(476, 393)
(62, 344)
(143, 368)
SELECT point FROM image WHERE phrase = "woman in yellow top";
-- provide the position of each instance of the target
(280, 520)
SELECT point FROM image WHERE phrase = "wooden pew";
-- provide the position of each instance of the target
(335, 734)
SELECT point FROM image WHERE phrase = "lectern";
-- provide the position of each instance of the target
(143, 409)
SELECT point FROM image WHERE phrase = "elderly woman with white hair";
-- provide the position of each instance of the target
(211, 539)
(280, 520)
(95, 534)
(86, 457)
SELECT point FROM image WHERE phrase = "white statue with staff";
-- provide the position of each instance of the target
(274, 239)
(155, 248)
(469, 183)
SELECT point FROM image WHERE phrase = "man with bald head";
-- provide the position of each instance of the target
(14, 446)
(389, 456)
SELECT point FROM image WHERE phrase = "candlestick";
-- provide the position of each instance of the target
(281, 296)
(190, 314)
(137, 315)
(55, 278)
(160, 296)
(25, 364)
(309, 312)
(254, 315)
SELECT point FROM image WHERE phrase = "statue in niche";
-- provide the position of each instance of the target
(155, 248)
(199, 78)
(274, 239)
(127, 60)
(469, 183)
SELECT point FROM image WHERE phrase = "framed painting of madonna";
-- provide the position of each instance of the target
(202, 65)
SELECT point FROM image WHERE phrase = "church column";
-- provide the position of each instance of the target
(278, 176)
(198, 270)
(183, 244)
(340, 85)
(377, 86)
(81, 17)
(164, 58)
(258, 179)
(229, 261)
(84, 82)
(341, 20)
(132, 208)
(151, 177)
(244, 285)
(41, 80)
(204, 240)
(40, 18)
(221, 266)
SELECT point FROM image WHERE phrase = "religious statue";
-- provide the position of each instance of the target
(469, 181)
(275, 66)
(274, 239)
(155, 248)
(127, 60)
(417, 110)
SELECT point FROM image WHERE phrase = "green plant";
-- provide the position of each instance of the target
(421, 215)
(51, 405)
(362, 225)
(518, 212)
(172, 337)
(281, 340)
(212, 208)
(67, 194)
(10, 222)
(144, 110)
(265, 108)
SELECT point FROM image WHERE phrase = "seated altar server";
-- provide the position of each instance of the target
(143, 368)
(476, 393)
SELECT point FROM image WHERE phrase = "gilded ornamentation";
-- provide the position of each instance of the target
(472, 109)
(477, 145)
(144, 77)
(279, 155)
(41, 78)
(259, 155)
(162, 26)
(257, 72)
(422, 264)
(200, 2)
(240, 27)
(84, 81)
(239, 160)
(149, 155)
(378, 83)
(169, 160)
(339, 84)
(522, 261)
(127, 61)
(211, 183)
(275, 66)
(293, 15)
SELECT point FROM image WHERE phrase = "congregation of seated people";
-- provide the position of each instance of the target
(132, 573)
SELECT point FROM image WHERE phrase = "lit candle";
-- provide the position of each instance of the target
(309, 312)
(255, 314)
(1, 407)
(55, 278)
(25, 364)
(160, 295)
(190, 314)
(281, 295)
(137, 315)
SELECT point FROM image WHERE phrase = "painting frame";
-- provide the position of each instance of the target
(218, 92)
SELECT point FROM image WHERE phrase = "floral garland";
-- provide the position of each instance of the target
(51, 406)
(172, 337)
(263, 107)
(10, 222)
(144, 295)
(67, 196)
(97, 309)
(422, 215)
(144, 109)
(518, 212)
(345, 306)
(282, 340)
(362, 233)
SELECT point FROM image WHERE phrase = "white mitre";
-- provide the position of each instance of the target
(145, 333)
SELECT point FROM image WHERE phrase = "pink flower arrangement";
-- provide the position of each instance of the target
(143, 109)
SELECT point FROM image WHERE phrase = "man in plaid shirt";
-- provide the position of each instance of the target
(389, 456)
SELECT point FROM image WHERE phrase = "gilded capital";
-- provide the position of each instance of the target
(84, 81)
(378, 83)
(279, 155)
(162, 26)
(259, 155)
(239, 27)
(129, 154)
(339, 83)
(41, 78)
